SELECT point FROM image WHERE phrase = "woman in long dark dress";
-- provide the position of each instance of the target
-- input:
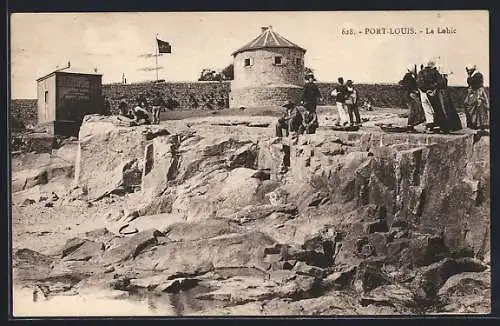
(412, 97)
(435, 86)
(452, 119)
(476, 102)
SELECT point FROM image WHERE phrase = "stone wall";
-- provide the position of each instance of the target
(387, 95)
(263, 96)
(190, 95)
(382, 95)
(24, 111)
(207, 93)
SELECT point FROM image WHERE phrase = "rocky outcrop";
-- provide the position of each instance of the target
(381, 221)
(109, 158)
(50, 168)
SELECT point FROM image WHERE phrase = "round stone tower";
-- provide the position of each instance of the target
(267, 71)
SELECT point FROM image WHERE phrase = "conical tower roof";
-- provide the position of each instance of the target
(268, 39)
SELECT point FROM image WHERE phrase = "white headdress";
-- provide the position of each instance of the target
(411, 68)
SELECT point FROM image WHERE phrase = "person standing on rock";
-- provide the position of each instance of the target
(477, 103)
(409, 84)
(291, 120)
(433, 87)
(450, 119)
(427, 83)
(340, 94)
(311, 93)
(106, 106)
(157, 104)
(142, 101)
(352, 103)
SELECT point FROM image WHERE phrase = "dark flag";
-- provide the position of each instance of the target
(163, 47)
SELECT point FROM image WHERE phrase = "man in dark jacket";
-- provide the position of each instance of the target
(311, 93)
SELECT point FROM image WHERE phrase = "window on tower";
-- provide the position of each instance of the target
(248, 62)
(277, 60)
(298, 61)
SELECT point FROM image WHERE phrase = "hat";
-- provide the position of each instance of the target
(470, 66)
(411, 68)
(310, 76)
(288, 104)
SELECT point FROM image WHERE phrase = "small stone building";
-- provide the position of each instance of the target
(267, 71)
(64, 98)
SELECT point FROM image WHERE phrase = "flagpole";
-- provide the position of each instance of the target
(157, 53)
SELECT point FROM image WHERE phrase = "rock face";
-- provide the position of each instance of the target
(49, 168)
(109, 157)
(381, 222)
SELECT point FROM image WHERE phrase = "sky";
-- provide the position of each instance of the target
(114, 42)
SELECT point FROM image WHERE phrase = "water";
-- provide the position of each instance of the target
(89, 303)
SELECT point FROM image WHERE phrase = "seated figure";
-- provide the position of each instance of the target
(290, 120)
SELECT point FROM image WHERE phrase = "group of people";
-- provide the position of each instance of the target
(427, 98)
(303, 119)
(346, 99)
(429, 101)
(139, 113)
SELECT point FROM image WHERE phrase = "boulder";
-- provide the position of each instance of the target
(393, 295)
(28, 264)
(105, 150)
(430, 279)
(54, 169)
(245, 156)
(71, 245)
(131, 247)
(241, 290)
(239, 189)
(342, 279)
(468, 283)
(228, 250)
(369, 276)
(252, 213)
(302, 268)
(174, 286)
(87, 250)
(28, 202)
(197, 231)
(124, 178)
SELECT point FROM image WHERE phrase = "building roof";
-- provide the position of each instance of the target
(71, 70)
(268, 39)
